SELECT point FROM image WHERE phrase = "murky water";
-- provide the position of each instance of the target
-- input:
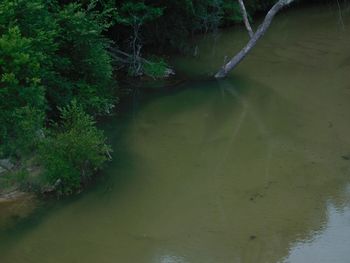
(254, 168)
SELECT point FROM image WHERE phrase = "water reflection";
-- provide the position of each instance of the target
(329, 245)
(171, 259)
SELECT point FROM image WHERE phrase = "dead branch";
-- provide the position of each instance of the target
(126, 59)
(245, 18)
(254, 39)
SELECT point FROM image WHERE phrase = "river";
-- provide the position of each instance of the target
(253, 168)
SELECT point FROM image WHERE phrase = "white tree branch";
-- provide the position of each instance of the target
(245, 18)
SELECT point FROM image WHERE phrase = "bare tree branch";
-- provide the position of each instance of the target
(125, 59)
(245, 18)
(252, 42)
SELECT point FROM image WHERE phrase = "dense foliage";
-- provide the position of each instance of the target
(177, 20)
(50, 55)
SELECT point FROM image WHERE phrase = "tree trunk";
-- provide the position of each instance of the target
(254, 39)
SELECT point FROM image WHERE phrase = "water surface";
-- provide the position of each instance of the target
(253, 168)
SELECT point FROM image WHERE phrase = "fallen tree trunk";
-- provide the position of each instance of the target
(254, 39)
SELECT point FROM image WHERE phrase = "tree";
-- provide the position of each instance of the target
(49, 55)
(22, 95)
(81, 66)
(136, 15)
(254, 37)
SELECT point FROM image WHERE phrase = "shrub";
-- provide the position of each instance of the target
(17, 178)
(155, 68)
(74, 150)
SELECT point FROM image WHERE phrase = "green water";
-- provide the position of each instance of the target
(249, 169)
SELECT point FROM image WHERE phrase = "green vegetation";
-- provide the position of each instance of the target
(58, 59)
(135, 15)
(51, 55)
(155, 68)
(73, 149)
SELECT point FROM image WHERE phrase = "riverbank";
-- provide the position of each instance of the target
(40, 126)
(13, 177)
(15, 205)
(13, 191)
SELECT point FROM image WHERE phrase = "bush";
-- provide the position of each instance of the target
(74, 150)
(155, 68)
